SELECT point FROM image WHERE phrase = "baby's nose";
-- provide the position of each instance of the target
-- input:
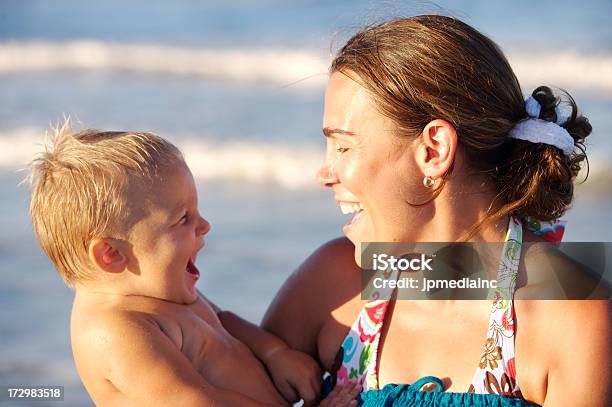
(203, 227)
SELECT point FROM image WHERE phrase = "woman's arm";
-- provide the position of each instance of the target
(580, 370)
(325, 281)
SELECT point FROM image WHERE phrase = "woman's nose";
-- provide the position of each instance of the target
(326, 176)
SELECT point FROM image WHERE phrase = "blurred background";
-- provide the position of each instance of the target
(238, 85)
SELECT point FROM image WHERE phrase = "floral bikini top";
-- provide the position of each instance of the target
(496, 372)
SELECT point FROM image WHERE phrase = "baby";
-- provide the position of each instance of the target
(117, 213)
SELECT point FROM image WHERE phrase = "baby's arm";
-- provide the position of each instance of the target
(147, 368)
(295, 374)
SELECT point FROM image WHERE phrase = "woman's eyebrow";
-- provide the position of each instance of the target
(330, 131)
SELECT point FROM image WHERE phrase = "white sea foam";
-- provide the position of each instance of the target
(282, 66)
(569, 69)
(291, 166)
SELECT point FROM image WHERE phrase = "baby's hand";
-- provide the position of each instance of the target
(295, 374)
(342, 395)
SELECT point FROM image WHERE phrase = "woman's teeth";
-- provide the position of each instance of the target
(350, 207)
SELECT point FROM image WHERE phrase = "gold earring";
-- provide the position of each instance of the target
(428, 182)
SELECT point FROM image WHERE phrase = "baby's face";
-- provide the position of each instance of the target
(166, 240)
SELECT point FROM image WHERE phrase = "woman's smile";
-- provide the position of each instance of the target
(351, 208)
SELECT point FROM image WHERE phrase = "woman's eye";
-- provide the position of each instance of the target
(184, 219)
(340, 149)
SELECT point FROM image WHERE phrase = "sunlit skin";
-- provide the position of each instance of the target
(370, 165)
(167, 235)
(368, 162)
(141, 332)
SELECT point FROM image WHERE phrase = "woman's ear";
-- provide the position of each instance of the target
(107, 255)
(436, 152)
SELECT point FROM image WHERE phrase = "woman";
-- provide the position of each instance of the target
(429, 139)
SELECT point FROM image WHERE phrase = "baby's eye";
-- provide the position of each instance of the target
(340, 149)
(184, 218)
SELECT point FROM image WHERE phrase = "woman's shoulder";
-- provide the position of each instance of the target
(548, 272)
(563, 322)
(329, 271)
(333, 259)
(557, 290)
(563, 350)
(327, 280)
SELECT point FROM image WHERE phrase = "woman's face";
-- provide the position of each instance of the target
(372, 171)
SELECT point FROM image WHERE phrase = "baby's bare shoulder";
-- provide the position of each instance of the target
(113, 345)
(100, 339)
(100, 332)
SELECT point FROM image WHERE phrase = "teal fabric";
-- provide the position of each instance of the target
(409, 395)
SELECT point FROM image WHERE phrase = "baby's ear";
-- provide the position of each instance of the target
(107, 255)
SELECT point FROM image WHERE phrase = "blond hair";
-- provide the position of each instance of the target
(79, 190)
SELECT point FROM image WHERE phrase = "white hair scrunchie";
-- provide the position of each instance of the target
(541, 131)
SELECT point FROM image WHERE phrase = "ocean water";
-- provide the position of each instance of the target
(238, 85)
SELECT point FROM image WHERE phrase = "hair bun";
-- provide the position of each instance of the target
(537, 179)
(548, 102)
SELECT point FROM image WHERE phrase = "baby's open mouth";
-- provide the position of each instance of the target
(192, 269)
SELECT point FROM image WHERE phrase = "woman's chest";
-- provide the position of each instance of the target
(431, 338)
(446, 340)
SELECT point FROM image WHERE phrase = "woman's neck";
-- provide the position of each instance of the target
(458, 209)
